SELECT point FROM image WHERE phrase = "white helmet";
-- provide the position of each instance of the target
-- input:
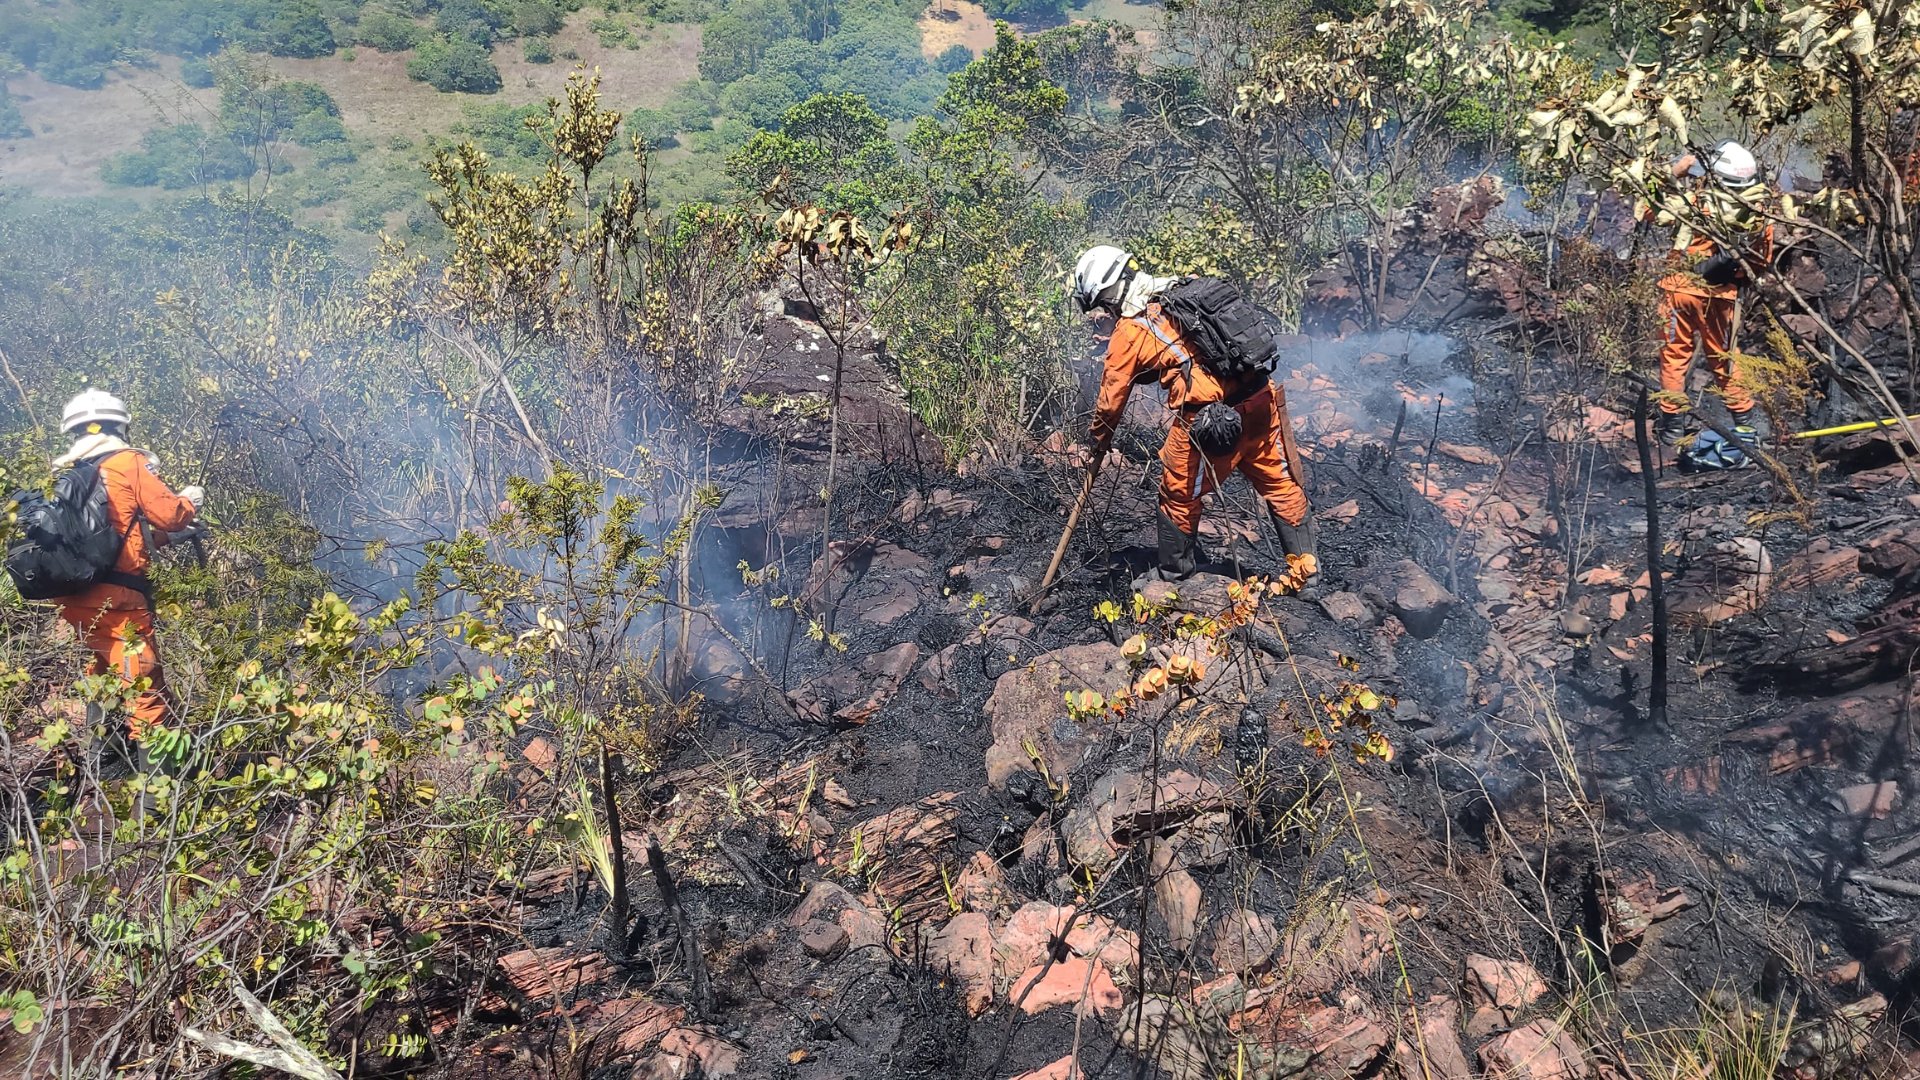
(1100, 269)
(93, 407)
(1733, 164)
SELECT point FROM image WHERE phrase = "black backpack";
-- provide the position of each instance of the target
(67, 544)
(1229, 332)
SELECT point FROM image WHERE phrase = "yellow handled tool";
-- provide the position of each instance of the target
(1848, 429)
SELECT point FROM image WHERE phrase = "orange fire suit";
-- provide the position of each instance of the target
(1149, 347)
(1700, 316)
(116, 620)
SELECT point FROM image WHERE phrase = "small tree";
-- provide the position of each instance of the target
(455, 65)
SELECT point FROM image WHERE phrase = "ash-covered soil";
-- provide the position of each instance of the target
(905, 856)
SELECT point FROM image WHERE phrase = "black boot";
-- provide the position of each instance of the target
(1301, 539)
(113, 756)
(1178, 551)
(1750, 424)
(1670, 428)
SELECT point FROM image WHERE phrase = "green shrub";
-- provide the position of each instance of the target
(954, 59)
(197, 73)
(387, 31)
(538, 50)
(12, 124)
(335, 153)
(612, 32)
(298, 29)
(181, 156)
(454, 64)
(537, 18)
(501, 130)
(317, 128)
(474, 20)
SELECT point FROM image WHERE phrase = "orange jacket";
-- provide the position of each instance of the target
(1735, 216)
(134, 488)
(1144, 348)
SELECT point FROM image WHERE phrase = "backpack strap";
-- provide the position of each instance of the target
(1170, 344)
(139, 583)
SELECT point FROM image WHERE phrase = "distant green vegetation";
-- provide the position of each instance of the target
(12, 124)
(181, 156)
(451, 63)
(256, 111)
(76, 43)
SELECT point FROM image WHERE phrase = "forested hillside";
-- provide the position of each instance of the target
(652, 561)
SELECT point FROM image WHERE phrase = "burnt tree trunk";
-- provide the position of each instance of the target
(618, 912)
(1656, 587)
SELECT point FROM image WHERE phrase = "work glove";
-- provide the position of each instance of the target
(194, 494)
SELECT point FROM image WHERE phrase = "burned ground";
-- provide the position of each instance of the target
(908, 859)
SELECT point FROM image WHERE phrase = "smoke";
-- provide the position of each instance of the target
(1359, 384)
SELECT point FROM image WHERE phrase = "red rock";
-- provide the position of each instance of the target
(1176, 898)
(1701, 779)
(1346, 608)
(823, 940)
(1412, 595)
(1497, 991)
(1430, 1050)
(1601, 576)
(1022, 943)
(1820, 563)
(1537, 1051)
(937, 673)
(624, 1026)
(1206, 842)
(1633, 908)
(540, 753)
(1848, 972)
(901, 852)
(963, 950)
(552, 974)
(865, 929)
(1472, 455)
(981, 885)
(1342, 1042)
(1026, 707)
(1866, 800)
(889, 669)
(1892, 551)
(824, 901)
(1089, 846)
(1244, 941)
(1040, 845)
(1327, 948)
(1342, 513)
(1733, 578)
(692, 1053)
(1078, 981)
(1064, 1069)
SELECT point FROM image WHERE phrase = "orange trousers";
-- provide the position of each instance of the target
(1187, 474)
(1704, 322)
(117, 626)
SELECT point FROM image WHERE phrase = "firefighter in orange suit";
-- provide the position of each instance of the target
(1701, 294)
(115, 617)
(1147, 347)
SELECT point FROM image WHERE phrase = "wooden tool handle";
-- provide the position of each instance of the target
(1066, 535)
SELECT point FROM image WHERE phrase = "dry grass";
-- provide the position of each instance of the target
(378, 100)
(947, 23)
(77, 131)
